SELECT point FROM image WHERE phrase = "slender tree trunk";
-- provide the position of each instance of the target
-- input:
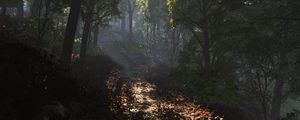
(84, 41)
(264, 107)
(276, 101)
(96, 33)
(3, 12)
(86, 31)
(21, 10)
(263, 101)
(206, 51)
(173, 44)
(130, 15)
(123, 27)
(152, 39)
(34, 10)
(206, 39)
(123, 24)
(130, 19)
(148, 40)
(130, 27)
(70, 32)
(79, 25)
(278, 90)
(42, 23)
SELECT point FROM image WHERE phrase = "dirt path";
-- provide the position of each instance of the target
(138, 101)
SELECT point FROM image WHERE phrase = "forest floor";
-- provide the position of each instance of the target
(137, 99)
(97, 90)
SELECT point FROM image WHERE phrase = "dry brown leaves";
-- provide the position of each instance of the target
(136, 96)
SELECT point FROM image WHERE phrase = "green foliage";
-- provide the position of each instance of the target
(220, 86)
(128, 47)
(268, 51)
(51, 37)
(10, 2)
(94, 50)
(54, 40)
(189, 53)
(48, 23)
(77, 45)
(171, 4)
(294, 115)
(103, 10)
(246, 40)
(152, 16)
(219, 83)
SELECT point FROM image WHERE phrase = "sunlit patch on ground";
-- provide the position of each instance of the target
(136, 98)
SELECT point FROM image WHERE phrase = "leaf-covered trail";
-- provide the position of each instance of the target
(136, 98)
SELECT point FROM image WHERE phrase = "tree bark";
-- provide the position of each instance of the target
(278, 90)
(173, 45)
(21, 10)
(130, 19)
(70, 32)
(130, 25)
(206, 40)
(3, 12)
(206, 51)
(84, 40)
(276, 100)
(123, 23)
(96, 33)
(86, 30)
(34, 10)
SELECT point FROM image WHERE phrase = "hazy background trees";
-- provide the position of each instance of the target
(238, 53)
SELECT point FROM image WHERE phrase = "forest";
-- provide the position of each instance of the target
(149, 60)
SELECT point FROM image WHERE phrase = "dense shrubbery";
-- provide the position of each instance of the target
(31, 78)
(93, 49)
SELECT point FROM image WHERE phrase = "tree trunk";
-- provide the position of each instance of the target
(34, 10)
(276, 100)
(264, 107)
(206, 51)
(130, 19)
(42, 23)
(70, 32)
(3, 12)
(173, 44)
(84, 41)
(123, 24)
(278, 90)
(86, 30)
(21, 10)
(148, 39)
(130, 15)
(96, 33)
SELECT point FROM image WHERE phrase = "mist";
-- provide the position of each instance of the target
(149, 59)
